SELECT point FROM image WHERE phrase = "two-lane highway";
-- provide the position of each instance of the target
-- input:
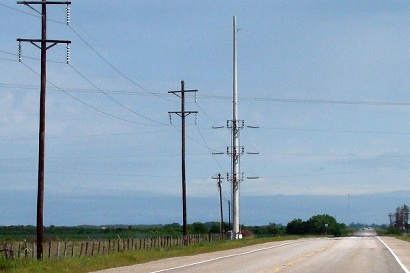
(352, 254)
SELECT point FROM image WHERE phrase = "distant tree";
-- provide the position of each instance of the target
(402, 218)
(296, 226)
(317, 225)
(215, 227)
(272, 229)
(198, 228)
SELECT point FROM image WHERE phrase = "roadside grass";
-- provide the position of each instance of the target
(89, 264)
(402, 237)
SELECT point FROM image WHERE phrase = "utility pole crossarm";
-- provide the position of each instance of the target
(185, 113)
(185, 91)
(44, 2)
(47, 41)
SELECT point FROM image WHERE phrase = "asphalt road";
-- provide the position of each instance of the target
(365, 232)
(352, 254)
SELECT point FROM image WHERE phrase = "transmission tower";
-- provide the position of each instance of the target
(235, 151)
(44, 46)
(183, 113)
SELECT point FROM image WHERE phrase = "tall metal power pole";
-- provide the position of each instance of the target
(183, 114)
(44, 46)
(235, 149)
(219, 178)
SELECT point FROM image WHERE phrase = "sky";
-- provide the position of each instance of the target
(324, 82)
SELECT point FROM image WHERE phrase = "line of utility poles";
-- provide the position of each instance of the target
(44, 46)
(183, 114)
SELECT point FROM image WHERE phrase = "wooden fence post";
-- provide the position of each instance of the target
(86, 249)
(73, 250)
(19, 251)
(58, 250)
(26, 250)
(65, 250)
(33, 251)
(49, 250)
(81, 249)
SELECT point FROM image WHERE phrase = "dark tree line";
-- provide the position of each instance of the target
(317, 225)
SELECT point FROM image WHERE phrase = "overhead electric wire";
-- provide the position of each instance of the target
(334, 173)
(210, 150)
(31, 14)
(311, 101)
(85, 103)
(378, 156)
(21, 11)
(335, 131)
(116, 101)
(9, 60)
(102, 157)
(31, 58)
(114, 67)
(75, 90)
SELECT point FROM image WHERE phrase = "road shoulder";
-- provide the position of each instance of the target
(400, 248)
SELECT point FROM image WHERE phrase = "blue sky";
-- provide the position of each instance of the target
(325, 81)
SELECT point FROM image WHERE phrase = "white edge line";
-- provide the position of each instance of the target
(228, 256)
(394, 255)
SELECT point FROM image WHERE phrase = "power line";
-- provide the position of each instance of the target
(338, 155)
(112, 66)
(311, 101)
(75, 90)
(89, 105)
(116, 101)
(102, 157)
(335, 131)
(21, 11)
(209, 149)
(31, 58)
(335, 173)
(31, 14)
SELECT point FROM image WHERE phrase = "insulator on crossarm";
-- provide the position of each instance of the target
(68, 54)
(196, 118)
(20, 49)
(68, 15)
(196, 97)
(170, 119)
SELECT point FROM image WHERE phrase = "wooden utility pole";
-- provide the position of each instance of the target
(229, 214)
(183, 114)
(219, 178)
(44, 46)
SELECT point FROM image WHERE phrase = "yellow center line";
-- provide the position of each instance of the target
(302, 258)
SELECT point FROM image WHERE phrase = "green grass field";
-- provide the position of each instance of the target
(89, 264)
